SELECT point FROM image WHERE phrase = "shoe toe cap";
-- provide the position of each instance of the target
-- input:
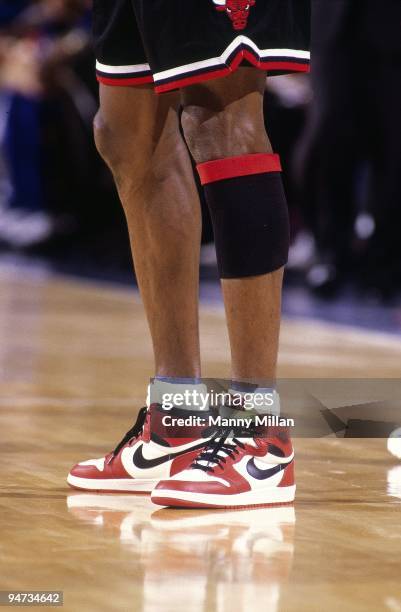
(89, 469)
(188, 486)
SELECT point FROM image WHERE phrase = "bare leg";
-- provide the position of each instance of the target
(224, 118)
(253, 310)
(137, 133)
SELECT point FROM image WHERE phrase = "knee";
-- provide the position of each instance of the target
(215, 134)
(141, 160)
(128, 156)
(109, 142)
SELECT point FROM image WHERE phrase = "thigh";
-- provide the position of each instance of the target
(136, 111)
(245, 85)
(137, 126)
(224, 117)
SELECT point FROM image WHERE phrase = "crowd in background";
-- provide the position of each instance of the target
(56, 196)
(337, 131)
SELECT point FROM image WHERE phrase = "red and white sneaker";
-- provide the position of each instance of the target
(141, 459)
(233, 472)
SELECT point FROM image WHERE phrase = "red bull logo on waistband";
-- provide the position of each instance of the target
(237, 10)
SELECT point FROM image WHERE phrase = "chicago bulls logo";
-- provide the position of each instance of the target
(237, 10)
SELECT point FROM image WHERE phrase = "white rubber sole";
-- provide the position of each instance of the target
(261, 497)
(129, 485)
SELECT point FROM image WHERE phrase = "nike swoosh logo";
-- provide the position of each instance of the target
(276, 451)
(259, 474)
(145, 464)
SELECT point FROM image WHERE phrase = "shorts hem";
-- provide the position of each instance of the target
(281, 67)
(242, 49)
(124, 82)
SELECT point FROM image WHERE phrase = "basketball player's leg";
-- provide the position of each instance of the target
(223, 119)
(224, 126)
(137, 134)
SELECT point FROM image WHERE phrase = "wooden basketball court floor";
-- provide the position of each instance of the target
(75, 359)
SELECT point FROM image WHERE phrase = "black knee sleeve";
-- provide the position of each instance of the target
(249, 213)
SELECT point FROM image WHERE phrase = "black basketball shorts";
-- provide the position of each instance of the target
(175, 43)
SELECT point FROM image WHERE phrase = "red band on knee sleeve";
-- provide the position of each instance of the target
(243, 165)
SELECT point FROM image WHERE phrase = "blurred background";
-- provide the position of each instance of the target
(338, 132)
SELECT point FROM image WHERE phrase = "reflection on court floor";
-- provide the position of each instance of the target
(74, 362)
(225, 559)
